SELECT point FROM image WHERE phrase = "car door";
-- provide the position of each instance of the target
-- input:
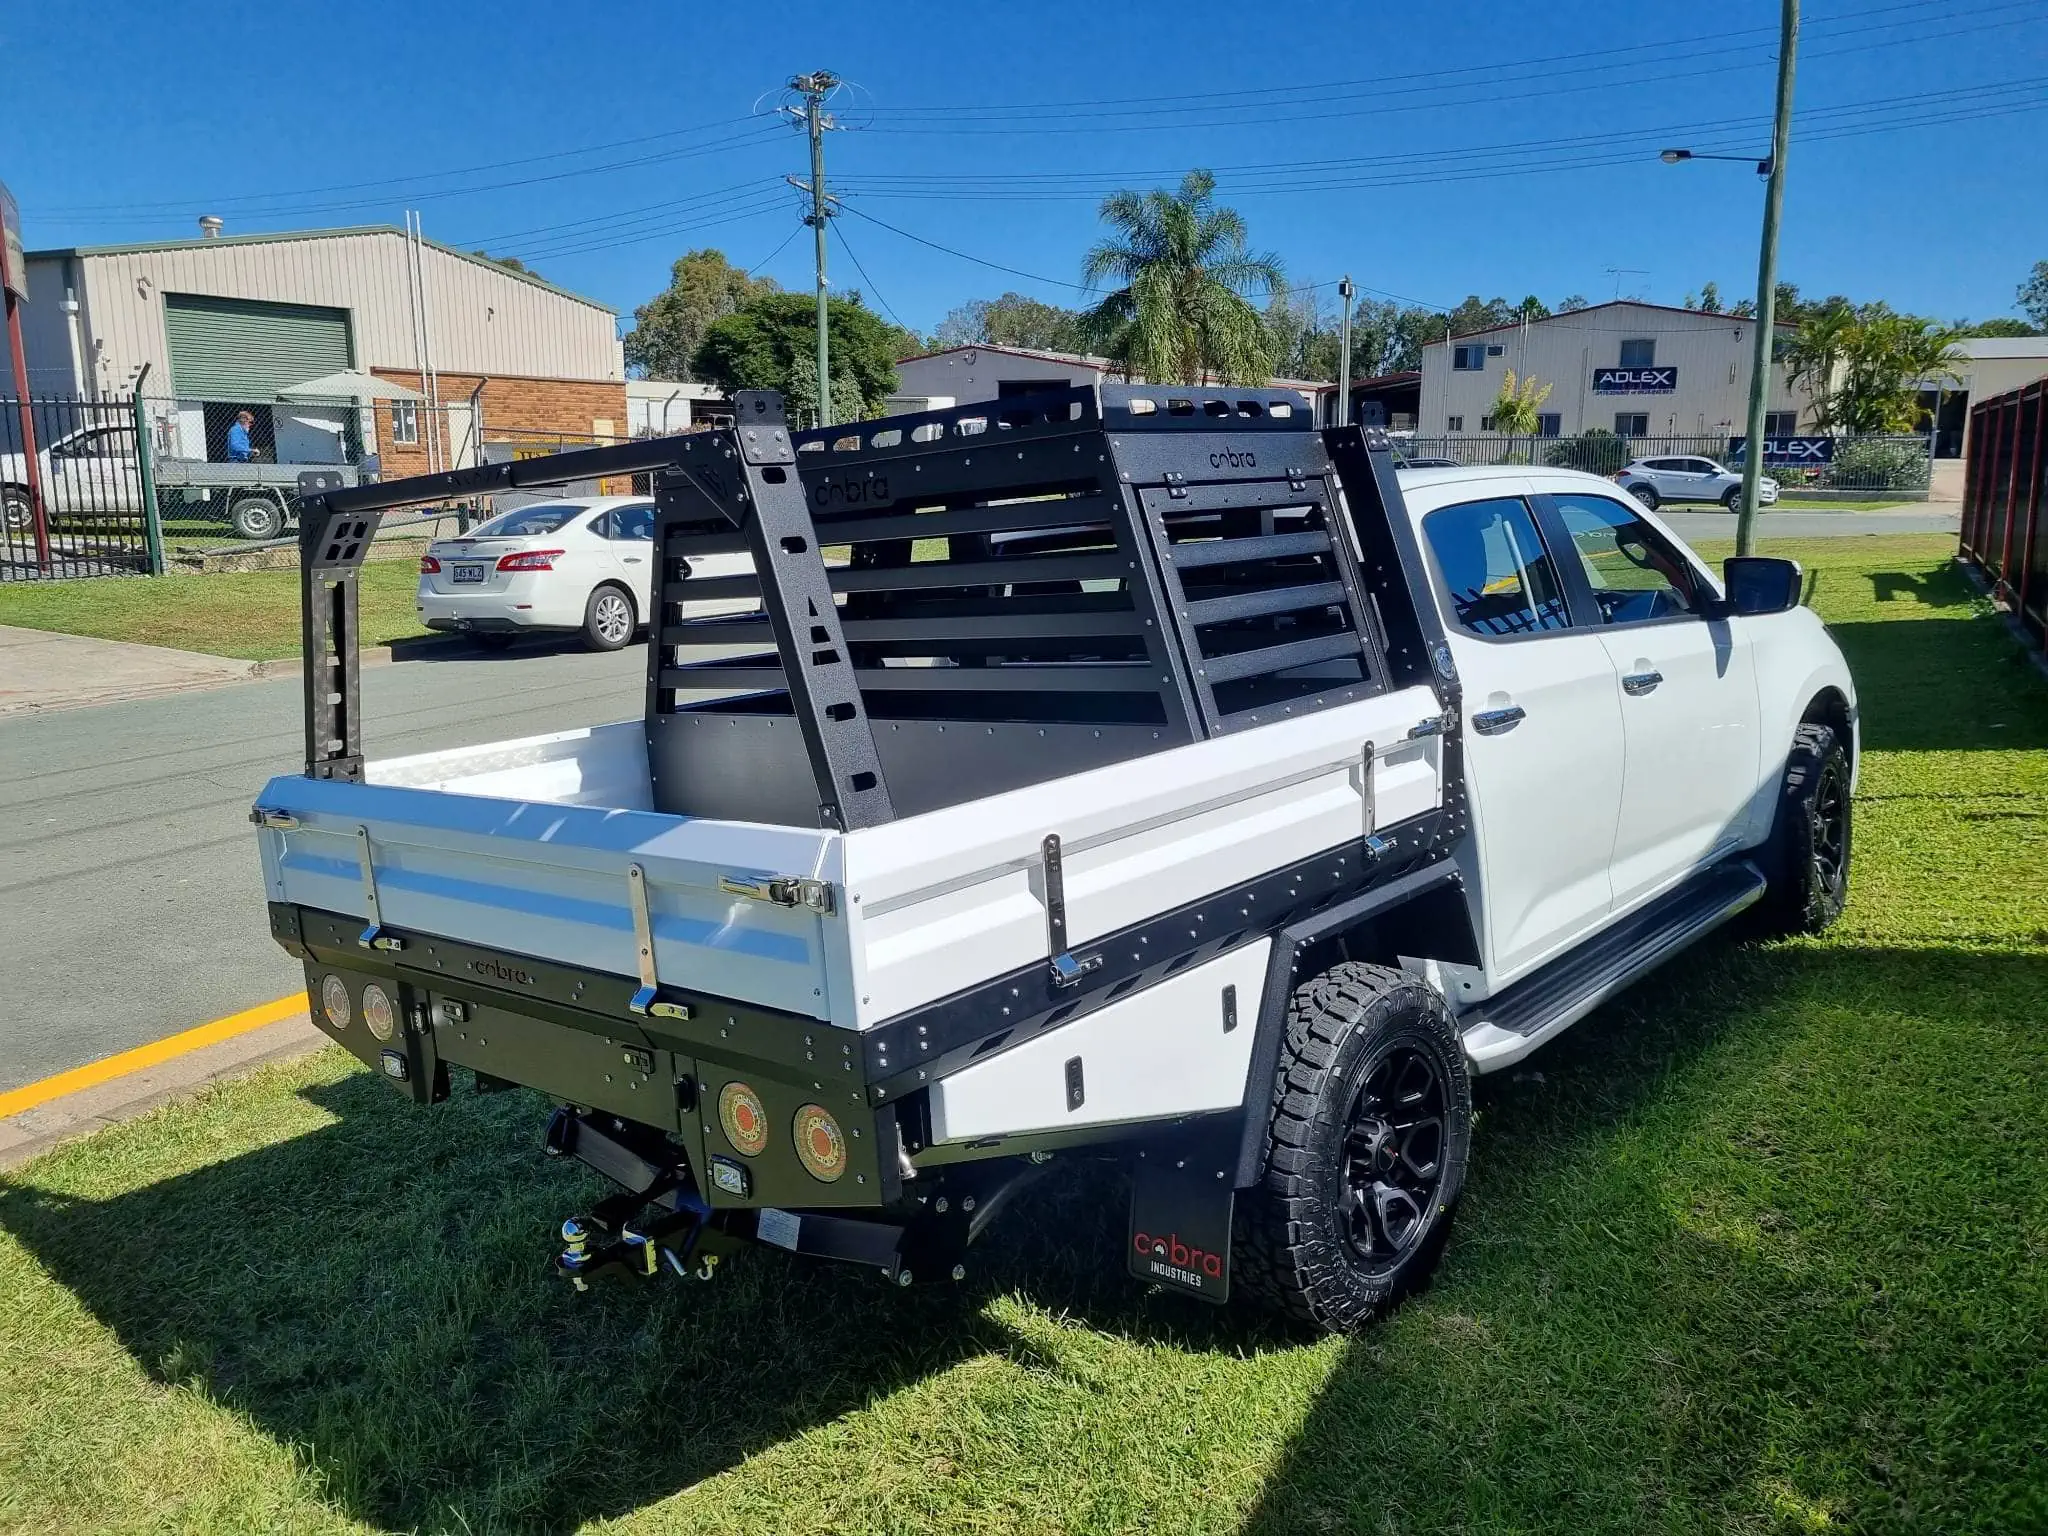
(1685, 684)
(632, 536)
(1704, 478)
(93, 474)
(1543, 732)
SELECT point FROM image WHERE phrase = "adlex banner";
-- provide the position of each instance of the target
(1788, 450)
(1635, 381)
(13, 264)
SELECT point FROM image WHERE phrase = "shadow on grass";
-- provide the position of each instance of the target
(377, 1292)
(1680, 1301)
(1948, 686)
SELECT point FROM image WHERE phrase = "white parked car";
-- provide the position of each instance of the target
(1688, 478)
(584, 565)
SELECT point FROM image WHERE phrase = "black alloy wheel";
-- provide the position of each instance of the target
(1393, 1159)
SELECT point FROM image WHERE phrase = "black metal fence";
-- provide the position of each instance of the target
(84, 505)
(2005, 501)
(1831, 468)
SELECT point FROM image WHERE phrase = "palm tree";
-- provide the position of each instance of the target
(1184, 308)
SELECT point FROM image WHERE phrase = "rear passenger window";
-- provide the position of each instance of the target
(1495, 570)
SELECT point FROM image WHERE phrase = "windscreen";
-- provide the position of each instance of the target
(544, 518)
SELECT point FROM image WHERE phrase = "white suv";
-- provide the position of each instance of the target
(1654, 481)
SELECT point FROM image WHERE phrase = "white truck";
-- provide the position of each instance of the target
(1148, 774)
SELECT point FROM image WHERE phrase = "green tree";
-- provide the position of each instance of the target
(1187, 276)
(2033, 295)
(2001, 325)
(1516, 409)
(1864, 367)
(1572, 302)
(1013, 321)
(703, 288)
(509, 263)
(1707, 301)
(762, 344)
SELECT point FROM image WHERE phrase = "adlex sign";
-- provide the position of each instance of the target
(13, 264)
(1788, 450)
(1635, 381)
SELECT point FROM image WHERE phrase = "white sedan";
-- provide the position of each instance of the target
(586, 565)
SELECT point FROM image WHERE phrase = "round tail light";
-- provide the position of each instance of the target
(334, 1002)
(743, 1118)
(820, 1144)
(378, 1012)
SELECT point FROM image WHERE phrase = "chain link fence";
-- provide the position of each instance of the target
(136, 485)
(1820, 467)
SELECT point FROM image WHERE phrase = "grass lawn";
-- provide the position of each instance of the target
(1828, 504)
(250, 614)
(1760, 1247)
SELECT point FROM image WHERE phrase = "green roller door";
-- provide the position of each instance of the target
(244, 349)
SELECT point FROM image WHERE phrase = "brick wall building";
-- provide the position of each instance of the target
(521, 411)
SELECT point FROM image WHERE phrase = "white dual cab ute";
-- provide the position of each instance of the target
(1148, 776)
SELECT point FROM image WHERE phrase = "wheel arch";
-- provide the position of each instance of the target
(1421, 913)
(1830, 707)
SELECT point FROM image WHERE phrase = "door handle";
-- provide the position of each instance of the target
(631, 559)
(1494, 722)
(1637, 684)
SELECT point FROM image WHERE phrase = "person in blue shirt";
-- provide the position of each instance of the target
(239, 448)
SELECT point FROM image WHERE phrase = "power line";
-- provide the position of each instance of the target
(1720, 40)
(847, 246)
(995, 266)
(757, 266)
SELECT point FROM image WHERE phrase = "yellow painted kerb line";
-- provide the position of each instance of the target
(93, 1073)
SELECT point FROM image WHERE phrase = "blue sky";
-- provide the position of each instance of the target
(1436, 153)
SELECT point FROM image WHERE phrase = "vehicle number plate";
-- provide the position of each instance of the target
(468, 575)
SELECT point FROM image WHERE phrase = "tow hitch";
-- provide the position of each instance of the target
(658, 1218)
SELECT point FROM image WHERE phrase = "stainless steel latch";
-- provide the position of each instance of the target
(1067, 967)
(277, 821)
(647, 1000)
(782, 890)
(373, 936)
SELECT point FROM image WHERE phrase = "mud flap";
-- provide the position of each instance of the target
(1180, 1223)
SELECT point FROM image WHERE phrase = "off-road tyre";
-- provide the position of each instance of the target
(1806, 861)
(609, 618)
(1647, 495)
(17, 512)
(1296, 1246)
(256, 517)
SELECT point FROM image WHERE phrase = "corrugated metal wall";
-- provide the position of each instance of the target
(485, 321)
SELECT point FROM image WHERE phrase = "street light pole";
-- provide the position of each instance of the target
(1344, 291)
(1767, 281)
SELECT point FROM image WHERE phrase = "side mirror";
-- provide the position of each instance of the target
(1760, 584)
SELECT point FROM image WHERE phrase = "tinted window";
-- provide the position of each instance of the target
(1499, 578)
(1635, 572)
(545, 518)
(636, 522)
(1697, 466)
(1639, 353)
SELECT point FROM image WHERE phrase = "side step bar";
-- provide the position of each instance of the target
(1504, 1029)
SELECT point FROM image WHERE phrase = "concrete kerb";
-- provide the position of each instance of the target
(35, 1131)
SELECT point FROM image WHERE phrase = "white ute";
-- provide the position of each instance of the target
(1157, 776)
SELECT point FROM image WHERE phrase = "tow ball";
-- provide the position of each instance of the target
(593, 1245)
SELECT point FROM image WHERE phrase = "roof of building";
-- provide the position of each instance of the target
(281, 236)
(1574, 314)
(1079, 359)
(1984, 348)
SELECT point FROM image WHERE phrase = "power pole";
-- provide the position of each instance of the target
(1344, 292)
(1767, 282)
(816, 86)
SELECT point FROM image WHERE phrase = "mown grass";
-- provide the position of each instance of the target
(253, 615)
(1762, 1247)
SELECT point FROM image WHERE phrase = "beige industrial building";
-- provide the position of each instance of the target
(1634, 369)
(466, 353)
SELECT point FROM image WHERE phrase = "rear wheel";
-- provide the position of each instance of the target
(256, 517)
(15, 509)
(1807, 859)
(608, 618)
(1370, 1124)
(1646, 494)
